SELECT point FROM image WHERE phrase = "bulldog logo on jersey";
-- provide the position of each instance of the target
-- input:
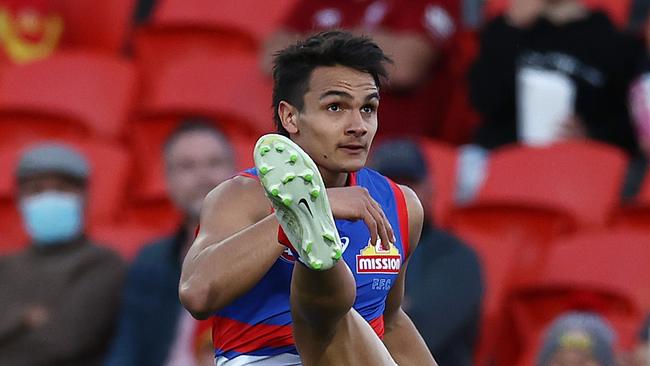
(374, 259)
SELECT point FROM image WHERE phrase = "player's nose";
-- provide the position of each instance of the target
(357, 126)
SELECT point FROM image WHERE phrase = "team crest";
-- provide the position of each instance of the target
(374, 259)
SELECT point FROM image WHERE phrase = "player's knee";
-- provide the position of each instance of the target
(326, 305)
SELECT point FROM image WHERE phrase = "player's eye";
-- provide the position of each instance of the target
(368, 109)
(334, 107)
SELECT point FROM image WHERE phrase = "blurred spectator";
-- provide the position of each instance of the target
(550, 70)
(444, 285)
(578, 339)
(29, 29)
(417, 35)
(154, 329)
(60, 295)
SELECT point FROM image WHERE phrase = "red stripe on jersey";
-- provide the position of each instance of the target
(232, 335)
(353, 179)
(377, 325)
(403, 216)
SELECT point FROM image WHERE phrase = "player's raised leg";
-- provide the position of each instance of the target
(327, 330)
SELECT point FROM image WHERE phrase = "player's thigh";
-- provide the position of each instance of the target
(352, 342)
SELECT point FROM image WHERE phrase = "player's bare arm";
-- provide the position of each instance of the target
(237, 243)
(235, 247)
(401, 337)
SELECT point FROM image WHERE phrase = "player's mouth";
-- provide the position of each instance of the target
(353, 148)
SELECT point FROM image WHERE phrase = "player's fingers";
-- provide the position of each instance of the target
(390, 233)
(372, 226)
(382, 226)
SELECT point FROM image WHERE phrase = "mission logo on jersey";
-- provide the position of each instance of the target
(373, 259)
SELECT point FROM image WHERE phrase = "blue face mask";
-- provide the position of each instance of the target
(52, 217)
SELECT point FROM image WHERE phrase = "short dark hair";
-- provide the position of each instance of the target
(294, 65)
(196, 124)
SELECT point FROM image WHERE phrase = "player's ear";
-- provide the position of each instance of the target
(288, 115)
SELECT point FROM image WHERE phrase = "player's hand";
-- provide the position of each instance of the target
(355, 203)
(523, 13)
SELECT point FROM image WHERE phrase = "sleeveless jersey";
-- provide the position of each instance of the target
(259, 322)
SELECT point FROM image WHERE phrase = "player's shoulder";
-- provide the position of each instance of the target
(242, 190)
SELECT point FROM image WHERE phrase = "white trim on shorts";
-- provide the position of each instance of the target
(283, 359)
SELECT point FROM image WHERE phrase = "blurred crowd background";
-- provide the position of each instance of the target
(523, 126)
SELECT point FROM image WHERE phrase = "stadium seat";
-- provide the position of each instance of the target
(500, 259)
(96, 25)
(601, 271)
(229, 88)
(534, 195)
(225, 25)
(68, 94)
(441, 160)
(618, 10)
(110, 167)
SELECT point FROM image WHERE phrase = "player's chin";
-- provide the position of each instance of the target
(353, 164)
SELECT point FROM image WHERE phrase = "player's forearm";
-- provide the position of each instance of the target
(405, 343)
(224, 270)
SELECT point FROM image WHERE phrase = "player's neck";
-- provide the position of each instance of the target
(333, 179)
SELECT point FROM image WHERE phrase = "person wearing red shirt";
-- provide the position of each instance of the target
(416, 34)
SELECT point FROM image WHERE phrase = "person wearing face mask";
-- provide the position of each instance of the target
(60, 294)
(154, 329)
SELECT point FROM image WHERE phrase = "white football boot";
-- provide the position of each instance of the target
(293, 184)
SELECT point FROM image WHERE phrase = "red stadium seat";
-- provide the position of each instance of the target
(499, 260)
(221, 24)
(441, 160)
(96, 25)
(601, 271)
(110, 167)
(533, 195)
(229, 88)
(69, 94)
(579, 178)
(618, 10)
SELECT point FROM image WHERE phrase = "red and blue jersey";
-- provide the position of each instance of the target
(259, 322)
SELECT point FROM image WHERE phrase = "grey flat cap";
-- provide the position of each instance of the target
(52, 158)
